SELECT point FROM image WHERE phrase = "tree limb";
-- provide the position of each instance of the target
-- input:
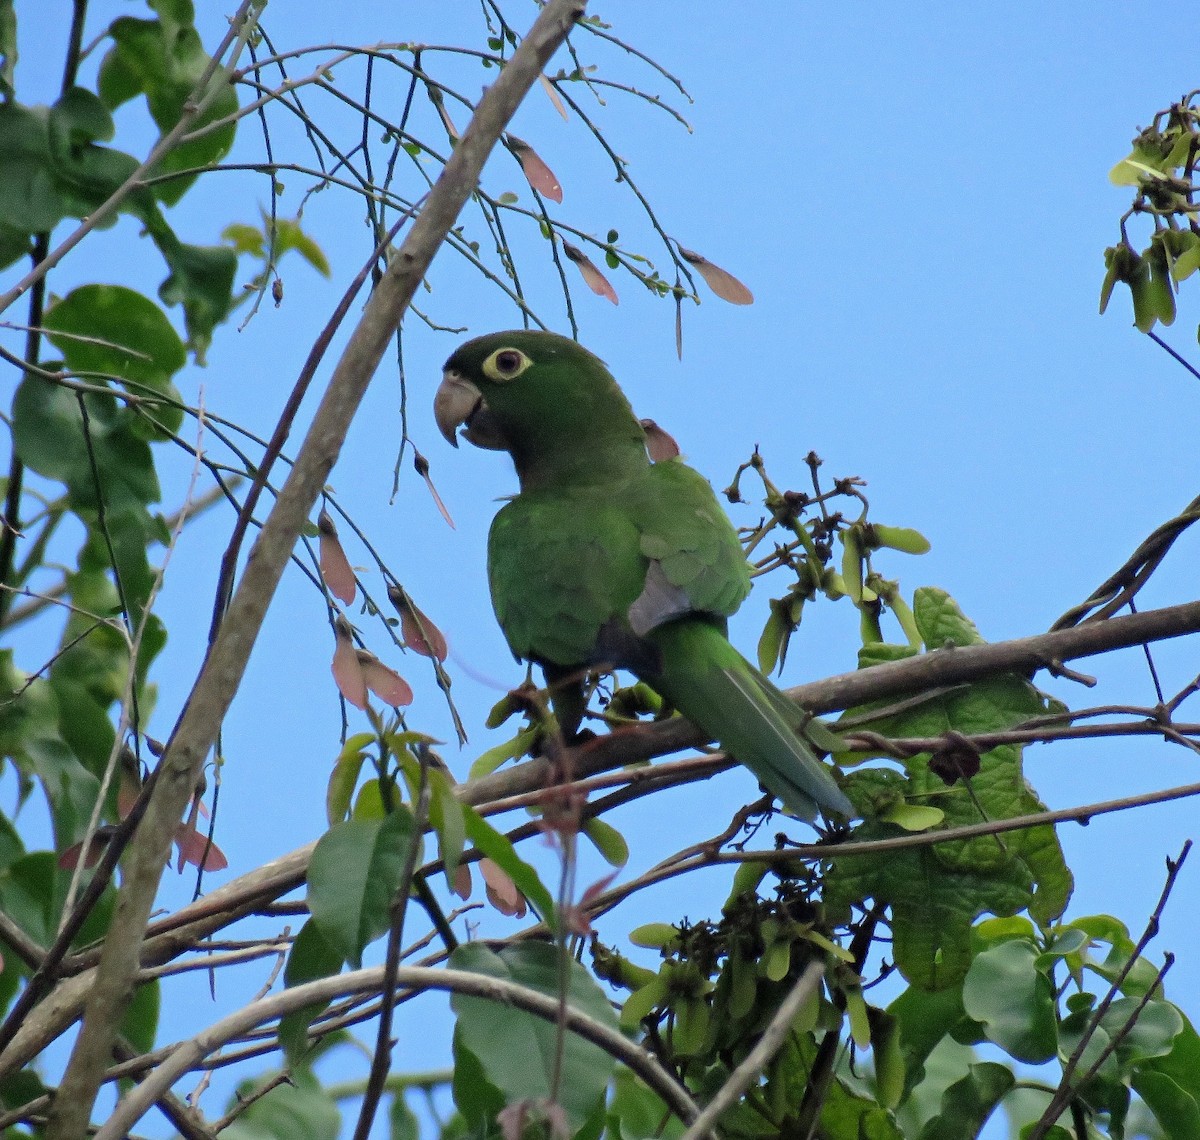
(225, 664)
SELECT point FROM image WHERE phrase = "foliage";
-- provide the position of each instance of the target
(951, 884)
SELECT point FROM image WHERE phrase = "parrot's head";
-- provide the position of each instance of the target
(541, 397)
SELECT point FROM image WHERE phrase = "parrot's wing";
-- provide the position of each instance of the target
(562, 565)
(697, 564)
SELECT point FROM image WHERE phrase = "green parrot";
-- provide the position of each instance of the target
(605, 559)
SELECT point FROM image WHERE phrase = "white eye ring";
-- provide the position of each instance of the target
(505, 364)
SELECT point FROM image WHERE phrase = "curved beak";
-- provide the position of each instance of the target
(458, 402)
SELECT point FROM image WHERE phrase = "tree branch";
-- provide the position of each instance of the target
(225, 664)
(190, 1053)
(941, 668)
(176, 933)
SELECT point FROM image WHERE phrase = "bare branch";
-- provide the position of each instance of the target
(222, 671)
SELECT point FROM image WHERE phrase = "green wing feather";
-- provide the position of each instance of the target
(720, 692)
(561, 565)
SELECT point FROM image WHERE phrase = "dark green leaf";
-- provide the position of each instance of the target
(1013, 1000)
(50, 438)
(299, 1111)
(111, 331)
(402, 1121)
(517, 1049)
(967, 1104)
(352, 877)
(312, 957)
(140, 1022)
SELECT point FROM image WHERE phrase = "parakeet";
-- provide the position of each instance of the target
(605, 559)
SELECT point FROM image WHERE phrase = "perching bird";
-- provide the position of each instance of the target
(607, 559)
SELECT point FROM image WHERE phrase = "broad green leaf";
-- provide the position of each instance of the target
(201, 280)
(940, 620)
(1013, 1000)
(112, 331)
(1170, 1085)
(165, 60)
(635, 1112)
(48, 427)
(1174, 1103)
(967, 1104)
(936, 893)
(1145, 1030)
(924, 1020)
(140, 1022)
(44, 175)
(475, 1096)
(292, 1111)
(402, 1121)
(312, 957)
(354, 872)
(516, 1049)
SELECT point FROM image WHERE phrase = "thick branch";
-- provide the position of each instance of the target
(190, 1053)
(176, 933)
(222, 671)
(939, 669)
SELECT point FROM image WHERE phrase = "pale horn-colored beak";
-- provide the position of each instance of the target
(457, 402)
(453, 404)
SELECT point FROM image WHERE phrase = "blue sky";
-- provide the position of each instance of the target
(919, 201)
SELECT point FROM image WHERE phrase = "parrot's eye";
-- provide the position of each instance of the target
(505, 364)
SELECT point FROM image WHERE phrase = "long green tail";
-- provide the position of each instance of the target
(722, 694)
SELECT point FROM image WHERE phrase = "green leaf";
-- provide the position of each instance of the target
(289, 235)
(1170, 1085)
(47, 173)
(402, 1121)
(244, 238)
(608, 841)
(140, 1022)
(165, 60)
(49, 431)
(636, 1112)
(940, 620)
(312, 957)
(967, 1104)
(1173, 1102)
(115, 332)
(475, 1097)
(509, 750)
(201, 280)
(447, 820)
(8, 50)
(293, 1111)
(654, 935)
(344, 777)
(354, 872)
(1013, 1000)
(488, 841)
(516, 1049)
(1151, 1035)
